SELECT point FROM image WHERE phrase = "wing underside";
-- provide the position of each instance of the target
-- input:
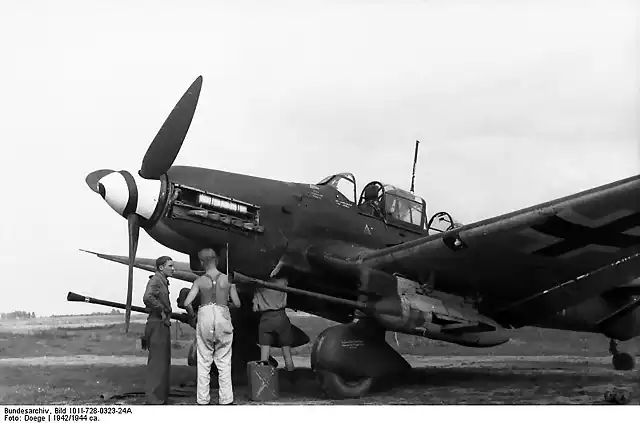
(534, 262)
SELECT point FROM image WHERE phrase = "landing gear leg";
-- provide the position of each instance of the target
(621, 360)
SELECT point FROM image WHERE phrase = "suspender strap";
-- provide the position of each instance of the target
(213, 281)
(213, 284)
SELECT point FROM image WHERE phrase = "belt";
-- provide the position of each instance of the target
(158, 316)
(272, 309)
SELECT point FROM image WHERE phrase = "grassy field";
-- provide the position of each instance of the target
(104, 335)
(78, 359)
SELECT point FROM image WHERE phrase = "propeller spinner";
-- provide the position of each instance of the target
(136, 196)
(93, 179)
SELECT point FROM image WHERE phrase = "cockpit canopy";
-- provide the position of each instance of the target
(404, 206)
(384, 201)
(393, 204)
(344, 183)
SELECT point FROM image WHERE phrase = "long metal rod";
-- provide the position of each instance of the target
(240, 278)
(72, 296)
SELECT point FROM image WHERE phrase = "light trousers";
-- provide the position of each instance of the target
(214, 336)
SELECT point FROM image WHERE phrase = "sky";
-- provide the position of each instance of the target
(514, 103)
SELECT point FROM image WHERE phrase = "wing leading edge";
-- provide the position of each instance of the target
(182, 270)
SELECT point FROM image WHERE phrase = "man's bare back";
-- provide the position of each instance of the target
(214, 287)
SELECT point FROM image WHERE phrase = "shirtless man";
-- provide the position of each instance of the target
(214, 331)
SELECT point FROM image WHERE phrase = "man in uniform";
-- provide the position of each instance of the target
(275, 328)
(157, 332)
(214, 330)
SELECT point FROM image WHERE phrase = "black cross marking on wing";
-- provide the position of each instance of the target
(575, 236)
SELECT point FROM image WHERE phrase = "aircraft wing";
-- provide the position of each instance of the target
(534, 262)
(182, 270)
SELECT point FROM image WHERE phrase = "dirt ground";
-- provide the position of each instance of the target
(92, 361)
(434, 380)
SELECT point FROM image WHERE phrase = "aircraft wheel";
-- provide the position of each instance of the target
(338, 387)
(623, 361)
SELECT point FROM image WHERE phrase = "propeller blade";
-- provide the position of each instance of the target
(165, 146)
(134, 232)
(93, 178)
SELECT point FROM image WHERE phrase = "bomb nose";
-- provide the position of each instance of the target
(128, 193)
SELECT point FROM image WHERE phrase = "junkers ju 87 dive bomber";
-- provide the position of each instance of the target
(374, 264)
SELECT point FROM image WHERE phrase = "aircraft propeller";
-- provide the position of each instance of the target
(134, 231)
(158, 159)
(165, 146)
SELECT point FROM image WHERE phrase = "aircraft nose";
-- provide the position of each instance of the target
(128, 193)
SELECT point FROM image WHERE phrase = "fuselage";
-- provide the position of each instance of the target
(289, 213)
(294, 217)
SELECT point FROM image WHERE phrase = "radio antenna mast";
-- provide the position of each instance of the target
(415, 160)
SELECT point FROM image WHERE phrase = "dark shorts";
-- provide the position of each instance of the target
(275, 329)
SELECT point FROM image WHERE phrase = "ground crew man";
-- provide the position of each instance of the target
(214, 330)
(157, 332)
(275, 328)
